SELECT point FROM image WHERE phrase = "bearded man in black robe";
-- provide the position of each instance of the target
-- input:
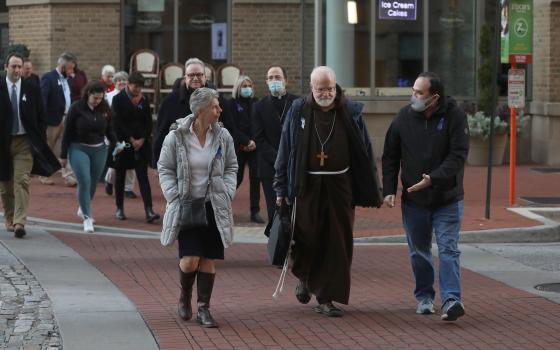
(325, 165)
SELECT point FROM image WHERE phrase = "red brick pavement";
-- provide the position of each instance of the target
(59, 203)
(380, 315)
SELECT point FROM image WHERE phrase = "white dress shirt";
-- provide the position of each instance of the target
(199, 157)
(9, 84)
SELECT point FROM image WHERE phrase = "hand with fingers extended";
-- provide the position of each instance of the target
(424, 183)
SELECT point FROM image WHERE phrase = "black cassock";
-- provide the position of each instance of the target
(322, 255)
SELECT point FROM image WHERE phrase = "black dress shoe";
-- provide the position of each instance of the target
(302, 293)
(151, 216)
(255, 217)
(130, 194)
(108, 188)
(119, 214)
(328, 309)
(19, 231)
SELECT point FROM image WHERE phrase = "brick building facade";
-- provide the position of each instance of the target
(288, 32)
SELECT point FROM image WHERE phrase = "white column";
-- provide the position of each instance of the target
(339, 43)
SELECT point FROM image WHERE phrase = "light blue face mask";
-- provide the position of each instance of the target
(276, 86)
(246, 92)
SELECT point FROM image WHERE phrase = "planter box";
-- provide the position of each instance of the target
(478, 150)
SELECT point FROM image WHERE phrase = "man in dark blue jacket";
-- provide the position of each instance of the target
(428, 142)
(326, 166)
(57, 99)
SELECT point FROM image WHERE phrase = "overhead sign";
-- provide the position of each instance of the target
(403, 9)
(516, 88)
(517, 31)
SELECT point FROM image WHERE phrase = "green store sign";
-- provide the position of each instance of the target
(517, 31)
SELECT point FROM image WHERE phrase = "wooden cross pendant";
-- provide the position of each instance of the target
(322, 156)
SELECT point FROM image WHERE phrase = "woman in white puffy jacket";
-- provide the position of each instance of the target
(198, 160)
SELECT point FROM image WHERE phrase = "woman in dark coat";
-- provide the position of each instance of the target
(132, 122)
(240, 109)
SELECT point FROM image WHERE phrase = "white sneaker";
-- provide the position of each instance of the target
(88, 225)
(81, 214)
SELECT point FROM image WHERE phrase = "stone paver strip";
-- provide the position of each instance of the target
(26, 317)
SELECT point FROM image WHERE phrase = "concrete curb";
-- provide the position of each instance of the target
(549, 231)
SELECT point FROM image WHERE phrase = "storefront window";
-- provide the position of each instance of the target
(452, 46)
(203, 31)
(393, 41)
(148, 24)
(398, 46)
(177, 35)
(347, 39)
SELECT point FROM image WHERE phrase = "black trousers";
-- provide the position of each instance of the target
(250, 158)
(141, 170)
(270, 197)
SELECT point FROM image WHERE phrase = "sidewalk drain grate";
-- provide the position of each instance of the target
(547, 170)
(542, 200)
(548, 287)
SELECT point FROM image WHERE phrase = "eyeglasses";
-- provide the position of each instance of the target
(198, 75)
(323, 90)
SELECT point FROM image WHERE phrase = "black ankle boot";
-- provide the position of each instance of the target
(205, 283)
(187, 281)
(151, 216)
(119, 214)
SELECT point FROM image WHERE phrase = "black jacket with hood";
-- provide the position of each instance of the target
(436, 146)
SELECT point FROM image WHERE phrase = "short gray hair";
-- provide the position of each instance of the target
(107, 69)
(66, 58)
(237, 86)
(322, 71)
(120, 76)
(194, 60)
(201, 98)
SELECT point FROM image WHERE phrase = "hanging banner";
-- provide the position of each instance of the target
(517, 31)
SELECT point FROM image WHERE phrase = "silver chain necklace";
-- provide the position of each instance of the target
(322, 156)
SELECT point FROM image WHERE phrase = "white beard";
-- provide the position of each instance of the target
(325, 102)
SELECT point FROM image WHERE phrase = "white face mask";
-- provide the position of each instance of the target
(420, 105)
(325, 102)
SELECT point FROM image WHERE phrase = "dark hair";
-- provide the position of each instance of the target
(136, 79)
(13, 54)
(26, 59)
(281, 68)
(95, 87)
(436, 86)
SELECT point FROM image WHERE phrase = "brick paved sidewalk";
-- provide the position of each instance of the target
(59, 203)
(381, 313)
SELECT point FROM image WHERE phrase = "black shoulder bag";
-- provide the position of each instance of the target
(193, 210)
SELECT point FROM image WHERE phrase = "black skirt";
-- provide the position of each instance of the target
(205, 242)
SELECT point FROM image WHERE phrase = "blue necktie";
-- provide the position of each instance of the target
(15, 110)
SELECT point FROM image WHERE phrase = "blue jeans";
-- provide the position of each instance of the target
(88, 163)
(445, 222)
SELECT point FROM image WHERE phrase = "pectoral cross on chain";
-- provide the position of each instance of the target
(322, 156)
